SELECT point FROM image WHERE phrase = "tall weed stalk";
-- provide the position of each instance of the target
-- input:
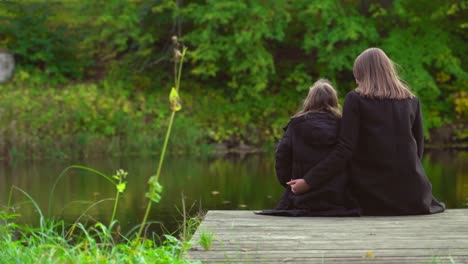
(155, 188)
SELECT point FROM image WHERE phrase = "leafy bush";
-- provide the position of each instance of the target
(87, 119)
(27, 31)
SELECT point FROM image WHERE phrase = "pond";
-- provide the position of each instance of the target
(231, 182)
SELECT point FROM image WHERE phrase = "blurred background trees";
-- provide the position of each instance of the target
(250, 64)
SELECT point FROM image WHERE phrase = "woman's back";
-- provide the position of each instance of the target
(385, 123)
(383, 141)
(386, 173)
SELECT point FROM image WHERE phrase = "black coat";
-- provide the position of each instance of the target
(383, 140)
(307, 140)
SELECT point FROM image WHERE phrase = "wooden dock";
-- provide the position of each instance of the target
(243, 237)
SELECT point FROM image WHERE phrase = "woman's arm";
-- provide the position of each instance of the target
(341, 153)
(418, 131)
(284, 158)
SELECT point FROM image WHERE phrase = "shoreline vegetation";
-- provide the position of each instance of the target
(92, 78)
(103, 119)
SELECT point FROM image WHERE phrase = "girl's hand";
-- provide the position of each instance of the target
(298, 186)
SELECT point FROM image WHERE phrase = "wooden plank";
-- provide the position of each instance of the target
(242, 236)
(409, 245)
(257, 258)
(404, 259)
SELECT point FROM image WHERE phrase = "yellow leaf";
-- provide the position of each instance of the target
(369, 254)
(121, 187)
(174, 100)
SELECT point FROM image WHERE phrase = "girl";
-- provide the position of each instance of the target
(382, 139)
(308, 138)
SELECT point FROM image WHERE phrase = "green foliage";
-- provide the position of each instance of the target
(206, 239)
(28, 32)
(250, 65)
(100, 118)
(95, 244)
(336, 32)
(232, 38)
(113, 27)
(155, 190)
(461, 104)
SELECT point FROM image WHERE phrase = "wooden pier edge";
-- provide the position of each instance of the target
(244, 237)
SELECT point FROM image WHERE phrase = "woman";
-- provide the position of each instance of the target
(382, 139)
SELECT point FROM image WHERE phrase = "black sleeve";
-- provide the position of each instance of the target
(418, 131)
(283, 158)
(341, 153)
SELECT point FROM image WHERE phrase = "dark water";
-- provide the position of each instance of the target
(219, 183)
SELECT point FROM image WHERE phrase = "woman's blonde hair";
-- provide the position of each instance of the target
(322, 97)
(377, 78)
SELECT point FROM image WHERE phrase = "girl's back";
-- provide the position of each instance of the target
(308, 139)
(312, 136)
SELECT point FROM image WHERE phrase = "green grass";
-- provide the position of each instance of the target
(54, 243)
(206, 239)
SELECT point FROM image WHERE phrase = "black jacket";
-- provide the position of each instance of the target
(383, 142)
(307, 140)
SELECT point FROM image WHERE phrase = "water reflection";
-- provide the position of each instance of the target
(217, 183)
(448, 172)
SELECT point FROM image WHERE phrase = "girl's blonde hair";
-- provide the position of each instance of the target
(322, 97)
(376, 76)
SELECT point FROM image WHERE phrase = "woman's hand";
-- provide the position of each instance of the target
(298, 186)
